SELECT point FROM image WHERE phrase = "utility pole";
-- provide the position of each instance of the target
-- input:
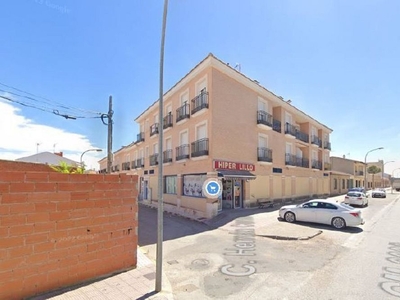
(160, 227)
(110, 137)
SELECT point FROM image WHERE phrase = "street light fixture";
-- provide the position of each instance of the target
(383, 174)
(365, 167)
(95, 149)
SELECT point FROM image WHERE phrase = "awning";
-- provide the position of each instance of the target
(236, 174)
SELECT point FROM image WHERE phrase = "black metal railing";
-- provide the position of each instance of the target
(182, 152)
(316, 140)
(359, 173)
(154, 129)
(290, 159)
(327, 145)
(264, 118)
(290, 129)
(183, 112)
(199, 102)
(264, 154)
(302, 136)
(302, 162)
(167, 156)
(140, 137)
(199, 147)
(153, 159)
(126, 166)
(276, 125)
(167, 121)
(140, 163)
(316, 164)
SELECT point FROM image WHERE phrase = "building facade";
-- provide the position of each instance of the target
(218, 123)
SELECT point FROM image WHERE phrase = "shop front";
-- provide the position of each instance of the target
(234, 176)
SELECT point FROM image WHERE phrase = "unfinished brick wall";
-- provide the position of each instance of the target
(61, 229)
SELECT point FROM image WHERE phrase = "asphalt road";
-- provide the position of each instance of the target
(230, 258)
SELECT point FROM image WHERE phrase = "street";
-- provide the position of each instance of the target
(234, 256)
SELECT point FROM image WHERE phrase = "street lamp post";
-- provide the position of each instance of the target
(383, 173)
(95, 149)
(365, 167)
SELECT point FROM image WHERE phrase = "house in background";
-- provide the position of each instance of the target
(49, 158)
(219, 123)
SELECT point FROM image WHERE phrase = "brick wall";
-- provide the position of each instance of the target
(61, 229)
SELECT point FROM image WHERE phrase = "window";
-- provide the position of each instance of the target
(335, 184)
(343, 184)
(193, 185)
(170, 184)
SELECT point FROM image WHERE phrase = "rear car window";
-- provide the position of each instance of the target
(354, 194)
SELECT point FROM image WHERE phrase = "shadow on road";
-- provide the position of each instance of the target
(326, 227)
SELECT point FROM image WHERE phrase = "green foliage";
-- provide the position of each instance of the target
(63, 167)
(373, 170)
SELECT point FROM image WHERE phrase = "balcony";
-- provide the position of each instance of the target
(316, 164)
(153, 159)
(302, 162)
(199, 102)
(315, 140)
(167, 156)
(183, 112)
(167, 121)
(302, 136)
(327, 166)
(199, 147)
(290, 159)
(140, 163)
(264, 118)
(276, 125)
(327, 145)
(290, 129)
(126, 166)
(154, 129)
(264, 154)
(359, 173)
(140, 137)
(182, 152)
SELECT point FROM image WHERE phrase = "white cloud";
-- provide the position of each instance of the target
(20, 137)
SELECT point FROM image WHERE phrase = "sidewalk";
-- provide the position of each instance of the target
(138, 283)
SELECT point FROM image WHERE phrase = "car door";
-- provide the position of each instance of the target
(325, 213)
(307, 212)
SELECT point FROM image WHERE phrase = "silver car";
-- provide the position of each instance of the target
(339, 215)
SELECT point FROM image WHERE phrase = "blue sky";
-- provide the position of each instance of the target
(337, 60)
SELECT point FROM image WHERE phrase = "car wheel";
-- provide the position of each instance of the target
(338, 223)
(366, 204)
(290, 217)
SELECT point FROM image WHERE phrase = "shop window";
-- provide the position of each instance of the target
(193, 185)
(170, 184)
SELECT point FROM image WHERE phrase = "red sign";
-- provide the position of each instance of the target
(230, 165)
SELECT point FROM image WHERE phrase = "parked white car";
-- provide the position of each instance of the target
(356, 198)
(338, 215)
(378, 193)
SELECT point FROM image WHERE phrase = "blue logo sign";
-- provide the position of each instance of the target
(212, 188)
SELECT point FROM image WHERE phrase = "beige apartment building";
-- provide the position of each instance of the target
(219, 123)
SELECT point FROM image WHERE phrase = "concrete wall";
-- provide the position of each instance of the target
(61, 229)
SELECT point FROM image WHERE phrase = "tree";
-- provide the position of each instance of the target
(63, 167)
(373, 170)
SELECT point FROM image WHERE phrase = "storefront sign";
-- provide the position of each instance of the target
(230, 165)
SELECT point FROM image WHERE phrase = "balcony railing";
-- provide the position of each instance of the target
(154, 129)
(276, 125)
(316, 140)
(140, 163)
(359, 173)
(199, 102)
(167, 156)
(302, 162)
(264, 118)
(167, 121)
(264, 154)
(182, 152)
(290, 129)
(183, 112)
(316, 164)
(126, 166)
(133, 164)
(199, 147)
(153, 159)
(290, 159)
(302, 136)
(327, 145)
(140, 137)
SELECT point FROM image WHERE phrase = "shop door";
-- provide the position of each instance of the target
(237, 192)
(227, 193)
